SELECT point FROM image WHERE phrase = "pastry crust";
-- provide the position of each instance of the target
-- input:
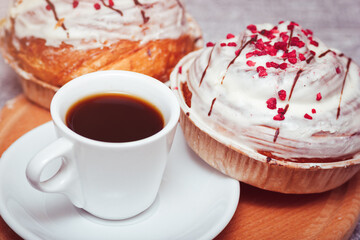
(273, 175)
(43, 68)
(231, 120)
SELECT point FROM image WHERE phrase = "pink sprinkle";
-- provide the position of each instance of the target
(318, 97)
(307, 116)
(210, 44)
(97, 6)
(292, 60)
(338, 71)
(313, 110)
(48, 7)
(249, 54)
(232, 44)
(176, 88)
(180, 70)
(281, 111)
(315, 43)
(279, 117)
(262, 71)
(229, 36)
(271, 103)
(252, 28)
(282, 94)
(302, 57)
(75, 4)
(250, 63)
(283, 66)
(222, 44)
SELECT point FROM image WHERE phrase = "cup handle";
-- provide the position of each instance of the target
(65, 180)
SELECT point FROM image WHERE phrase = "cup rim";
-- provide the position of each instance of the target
(161, 87)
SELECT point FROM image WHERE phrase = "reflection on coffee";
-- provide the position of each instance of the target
(114, 117)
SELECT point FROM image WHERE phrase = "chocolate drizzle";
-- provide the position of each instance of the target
(324, 53)
(52, 6)
(237, 55)
(291, 34)
(342, 88)
(309, 59)
(112, 8)
(212, 105)
(145, 18)
(294, 83)
(276, 134)
(204, 73)
(187, 94)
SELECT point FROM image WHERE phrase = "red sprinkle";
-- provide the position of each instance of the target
(291, 54)
(250, 63)
(97, 6)
(302, 57)
(176, 88)
(272, 64)
(295, 41)
(281, 22)
(313, 110)
(292, 60)
(282, 94)
(232, 44)
(312, 52)
(222, 44)
(111, 3)
(290, 27)
(252, 28)
(307, 116)
(229, 36)
(338, 71)
(262, 71)
(180, 70)
(48, 7)
(281, 111)
(237, 52)
(284, 36)
(315, 43)
(249, 54)
(318, 97)
(279, 117)
(271, 103)
(75, 4)
(283, 66)
(210, 44)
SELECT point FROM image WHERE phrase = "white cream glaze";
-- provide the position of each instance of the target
(88, 28)
(240, 117)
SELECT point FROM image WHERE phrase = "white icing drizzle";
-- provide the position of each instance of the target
(87, 27)
(240, 117)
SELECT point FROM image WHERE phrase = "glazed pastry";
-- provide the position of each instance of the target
(50, 42)
(273, 107)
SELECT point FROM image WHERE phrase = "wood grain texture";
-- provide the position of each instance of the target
(260, 215)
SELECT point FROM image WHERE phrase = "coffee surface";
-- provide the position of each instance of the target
(114, 117)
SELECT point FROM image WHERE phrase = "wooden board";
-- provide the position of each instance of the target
(260, 214)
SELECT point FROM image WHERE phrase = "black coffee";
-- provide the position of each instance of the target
(114, 117)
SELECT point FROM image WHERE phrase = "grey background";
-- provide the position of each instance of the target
(335, 22)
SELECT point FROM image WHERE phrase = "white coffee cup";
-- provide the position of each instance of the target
(109, 180)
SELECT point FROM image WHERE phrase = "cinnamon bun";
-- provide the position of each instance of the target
(273, 107)
(50, 42)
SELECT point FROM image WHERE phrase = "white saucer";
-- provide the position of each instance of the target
(194, 201)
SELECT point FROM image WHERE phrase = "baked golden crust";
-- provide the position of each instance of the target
(273, 175)
(43, 69)
(58, 65)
